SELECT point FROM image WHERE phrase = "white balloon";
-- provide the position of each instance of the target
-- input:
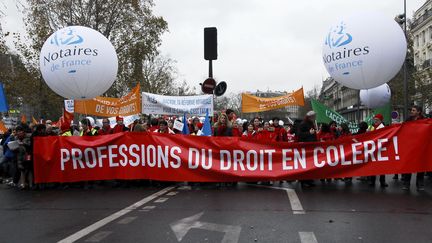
(364, 50)
(78, 63)
(375, 97)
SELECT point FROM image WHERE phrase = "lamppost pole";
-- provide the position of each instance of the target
(405, 81)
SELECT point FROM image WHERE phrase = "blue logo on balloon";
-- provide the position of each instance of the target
(338, 36)
(66, 37)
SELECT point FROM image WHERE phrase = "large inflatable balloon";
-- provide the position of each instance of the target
(375, 97)
(78, 63)
(364, 50)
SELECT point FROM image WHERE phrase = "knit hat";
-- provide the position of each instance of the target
(379, 117)
(119, 118)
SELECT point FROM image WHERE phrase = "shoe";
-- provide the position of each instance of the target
(405, 188)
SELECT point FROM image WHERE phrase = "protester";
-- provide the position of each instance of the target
(325, 134)
(87, 129)
(333, 129)
(363, 127)
(256, 122)
(223, 127)
(163, 128)
(119, 127)
(195, 126)
(237, 129)
(291, 138)
(344, 130)
(231, 115)
(23, 157)
(377, 124)
(141, 127)
(416, 113)
(250, 133)
(10, 159)
(65, 129)
(307, 132)
(106, 128)
(279, 131)
(154, 124)
(267, 133)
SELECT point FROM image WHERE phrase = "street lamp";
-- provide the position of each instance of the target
(405, 84)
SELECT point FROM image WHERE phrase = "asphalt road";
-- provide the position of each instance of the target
(329, 212)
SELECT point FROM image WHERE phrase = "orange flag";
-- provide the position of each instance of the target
(251, 103)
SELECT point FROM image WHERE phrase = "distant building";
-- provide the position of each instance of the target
(421, 30)
(343, 100)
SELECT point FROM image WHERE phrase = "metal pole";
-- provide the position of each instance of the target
(210, 69)
(405, 71)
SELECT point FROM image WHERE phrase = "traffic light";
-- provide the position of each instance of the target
(210, 43)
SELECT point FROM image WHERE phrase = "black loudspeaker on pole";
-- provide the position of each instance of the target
(210, 43)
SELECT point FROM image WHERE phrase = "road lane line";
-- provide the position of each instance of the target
(98, 236)
(78, 235)
(171, 193)
(295, 201)
(307, 237)
(296, 205)
(126, 220)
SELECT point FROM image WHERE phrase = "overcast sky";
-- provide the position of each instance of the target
(272, 44)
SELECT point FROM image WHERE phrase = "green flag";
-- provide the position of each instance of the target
(326, 115)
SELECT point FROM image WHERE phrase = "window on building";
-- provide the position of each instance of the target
(423, 40)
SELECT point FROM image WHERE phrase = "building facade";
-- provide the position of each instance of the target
(421, 32)
(343, 100)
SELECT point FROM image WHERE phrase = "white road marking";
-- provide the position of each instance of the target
(161, 200)
(171, 193)
(148, 207)
(78, 235)
(182, 226)
(126, 220)
(307, 237)
(98, 236)
(185, 188)
(292, 196)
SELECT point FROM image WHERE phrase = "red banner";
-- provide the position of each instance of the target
(400, 148)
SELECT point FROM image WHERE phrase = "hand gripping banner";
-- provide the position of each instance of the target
(400, 148)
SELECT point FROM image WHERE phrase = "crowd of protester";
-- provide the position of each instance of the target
(16, 166)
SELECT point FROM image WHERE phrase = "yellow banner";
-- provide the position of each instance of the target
(107, 107)
(251, 103)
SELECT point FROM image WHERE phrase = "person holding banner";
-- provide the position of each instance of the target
(223, 127)
(163, 128)
(307, 132)
(106, 128)
(250, 133)
(119, 127)
(237, 129)
(87, 129)
(378, 124)
(280, 132)
(267, 133)
(195, 126)
(416, 113)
